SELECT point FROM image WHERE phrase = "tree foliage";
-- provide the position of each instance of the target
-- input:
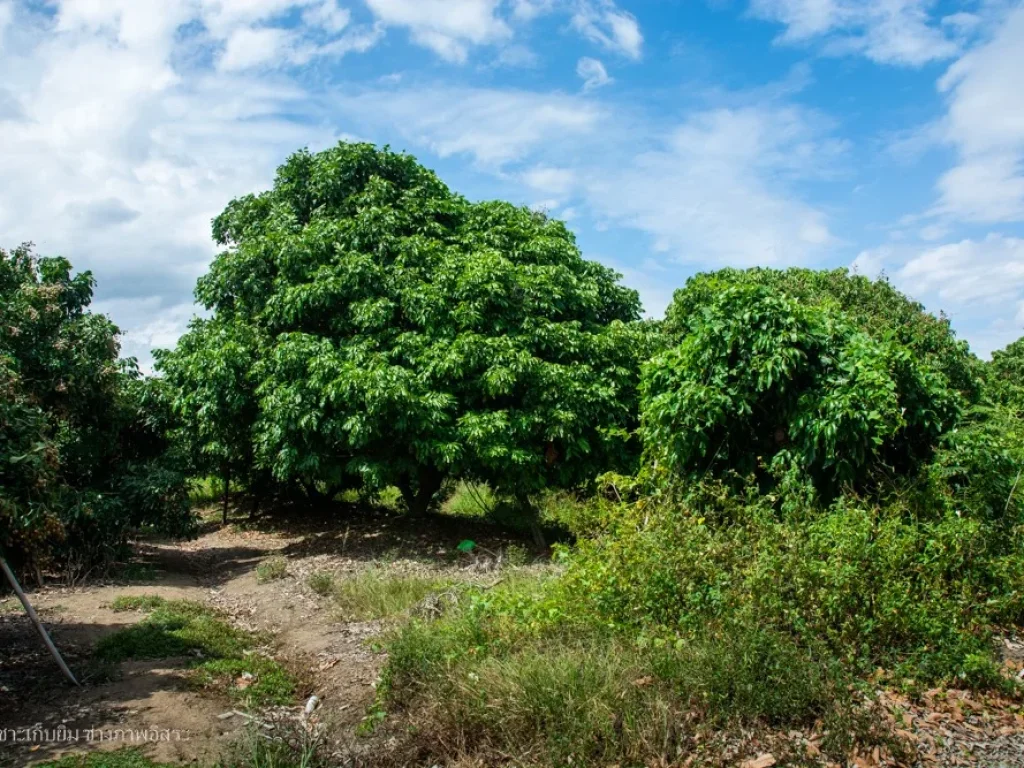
(390, 332)
(873, 306)
(762, 381)
(81, 434)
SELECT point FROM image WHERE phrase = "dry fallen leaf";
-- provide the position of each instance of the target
(766, 760)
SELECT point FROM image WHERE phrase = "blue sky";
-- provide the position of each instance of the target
(674, 136)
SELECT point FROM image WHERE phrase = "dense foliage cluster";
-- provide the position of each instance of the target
(82, 441)
(762, 382)
(371, 328)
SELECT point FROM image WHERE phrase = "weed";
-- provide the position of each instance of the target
(251, 679)
(376, 594)
(516, 556)
(272, 569)
(321, 582)
(223, 655)
(137, 603)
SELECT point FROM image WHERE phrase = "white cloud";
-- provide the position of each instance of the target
(329, 15)
(600, 21)
(554, 181)
(448, 27)
(985, 123)
(885, 31)
(494, 127)
(248, 47)
(716, 191)
(978, 283)
(124, 148)
(593, 73)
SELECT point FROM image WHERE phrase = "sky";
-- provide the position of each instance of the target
(674, 136)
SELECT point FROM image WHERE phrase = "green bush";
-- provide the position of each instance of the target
(271, 569)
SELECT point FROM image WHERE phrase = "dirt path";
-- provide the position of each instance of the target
(330, 655)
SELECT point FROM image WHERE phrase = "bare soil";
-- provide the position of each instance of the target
(332, 657)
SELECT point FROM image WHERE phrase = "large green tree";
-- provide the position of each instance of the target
(83, 458)
(762, 383)
(873, 306)
(401, 334)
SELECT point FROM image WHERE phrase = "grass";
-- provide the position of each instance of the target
(496, 679)
(225, 657)
(377, 594)
(121, 758)
(271, 569)
(137, 603)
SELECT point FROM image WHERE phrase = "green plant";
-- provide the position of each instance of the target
(222, 655)
(763, 384)
(84, 459)
(370, 327)
(120, 758)
(377, 594)
(146, 603)
(321, 582)
(271, 569)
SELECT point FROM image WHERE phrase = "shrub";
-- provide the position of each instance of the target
(84, 462)
(499, 677)
(321, 582)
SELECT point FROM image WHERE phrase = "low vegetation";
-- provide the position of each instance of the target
(272, 569)
(377, 593)
(221, 657)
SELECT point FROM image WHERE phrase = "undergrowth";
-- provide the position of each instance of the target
(378, 594)
(223, 657)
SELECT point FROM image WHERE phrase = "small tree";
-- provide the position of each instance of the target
(762, 382)
(406, 335)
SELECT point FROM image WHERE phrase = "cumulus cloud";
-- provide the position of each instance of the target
(985, 123)
(448, 27)
(593, 73)
(979, 283)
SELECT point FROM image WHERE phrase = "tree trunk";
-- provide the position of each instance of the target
(254, 508)
(523, 501)
(227, 491)
(428, 482)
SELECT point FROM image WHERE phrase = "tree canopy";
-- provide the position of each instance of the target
(386, 331)
(762, 381)
(82, 441)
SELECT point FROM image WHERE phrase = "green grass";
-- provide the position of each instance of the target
(377, 594)
(121, 758)
(271, 569)
(224, 657)
(503, 678)
(137, 603)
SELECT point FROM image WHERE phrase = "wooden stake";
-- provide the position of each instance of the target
(35, 620)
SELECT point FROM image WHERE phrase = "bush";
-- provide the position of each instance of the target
(874, 583)
(271, 569)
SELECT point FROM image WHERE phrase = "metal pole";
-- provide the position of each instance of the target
(35, 620)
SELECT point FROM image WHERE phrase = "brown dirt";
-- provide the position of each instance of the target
(331, 656)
